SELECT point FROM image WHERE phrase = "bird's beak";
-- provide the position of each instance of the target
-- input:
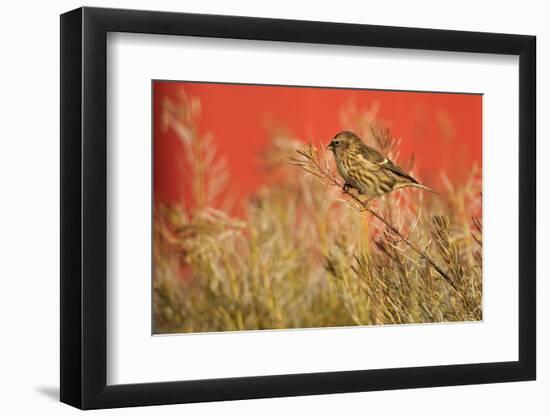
(330, 147)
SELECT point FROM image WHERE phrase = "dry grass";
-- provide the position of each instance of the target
(305, 254)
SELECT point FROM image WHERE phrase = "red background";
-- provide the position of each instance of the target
(442, 130)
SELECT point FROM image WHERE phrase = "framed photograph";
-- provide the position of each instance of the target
(258, 208)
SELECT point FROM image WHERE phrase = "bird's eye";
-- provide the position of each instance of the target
(336, 142)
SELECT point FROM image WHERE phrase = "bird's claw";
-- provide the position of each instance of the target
(365, 203)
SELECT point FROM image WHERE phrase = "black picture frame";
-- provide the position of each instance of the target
(84, 207)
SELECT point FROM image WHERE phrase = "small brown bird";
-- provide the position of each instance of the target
(366, 170)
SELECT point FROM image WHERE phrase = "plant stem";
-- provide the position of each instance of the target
(312, 154)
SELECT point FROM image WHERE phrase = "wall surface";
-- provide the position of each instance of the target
(29, 225)
(441, 132)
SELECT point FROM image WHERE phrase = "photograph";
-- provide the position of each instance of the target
(246, 208)
(294, 207)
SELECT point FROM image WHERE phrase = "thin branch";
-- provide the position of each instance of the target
(312, 162)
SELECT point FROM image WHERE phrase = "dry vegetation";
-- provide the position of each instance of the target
(306, 254)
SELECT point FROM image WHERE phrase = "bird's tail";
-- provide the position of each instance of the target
(422, 187)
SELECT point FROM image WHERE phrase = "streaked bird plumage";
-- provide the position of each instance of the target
(366, 170)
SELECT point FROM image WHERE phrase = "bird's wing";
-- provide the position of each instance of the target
(374, 157)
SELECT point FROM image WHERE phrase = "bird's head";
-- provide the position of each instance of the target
(342, 141)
